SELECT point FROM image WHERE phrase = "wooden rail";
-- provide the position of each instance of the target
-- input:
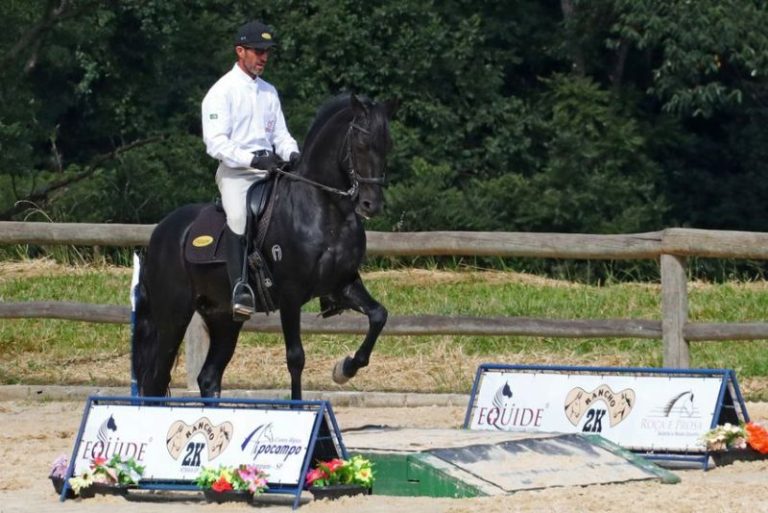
(417, 325)
(356, 324)
(671, 247)
(672, 241)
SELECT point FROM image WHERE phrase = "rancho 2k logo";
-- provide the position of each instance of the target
(190, 440)
(594, 406)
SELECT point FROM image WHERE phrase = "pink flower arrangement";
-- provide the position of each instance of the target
(244, 478)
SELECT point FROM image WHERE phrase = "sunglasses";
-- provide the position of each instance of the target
(259, 51)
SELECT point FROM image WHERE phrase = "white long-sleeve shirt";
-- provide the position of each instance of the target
(241, 115)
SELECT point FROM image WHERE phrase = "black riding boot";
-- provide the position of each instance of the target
(242, 295)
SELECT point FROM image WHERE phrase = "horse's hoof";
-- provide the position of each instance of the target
(338, 372)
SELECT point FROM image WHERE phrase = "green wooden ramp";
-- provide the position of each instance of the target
(417, 475)
(462, 463)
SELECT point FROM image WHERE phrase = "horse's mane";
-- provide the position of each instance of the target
(377, 120)
(325, 113)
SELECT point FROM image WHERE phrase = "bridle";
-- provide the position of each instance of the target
(354, 177)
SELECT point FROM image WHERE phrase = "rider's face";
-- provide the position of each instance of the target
(252, 60)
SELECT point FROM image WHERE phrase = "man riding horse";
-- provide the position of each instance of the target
(244, 129)
(308, 243)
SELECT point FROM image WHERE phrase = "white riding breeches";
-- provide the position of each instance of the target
(233, 185)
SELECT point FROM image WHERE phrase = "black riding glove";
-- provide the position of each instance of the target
(293, 160)
(268, 162)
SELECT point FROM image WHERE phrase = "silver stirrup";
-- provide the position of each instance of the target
(239, 308)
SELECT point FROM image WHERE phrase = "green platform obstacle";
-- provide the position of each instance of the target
(462, 463)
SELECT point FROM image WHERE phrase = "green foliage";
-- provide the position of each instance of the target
(424, 201)
(711, 52)
(609, 116)
(136, 188)
(354, 471)
(581, 168)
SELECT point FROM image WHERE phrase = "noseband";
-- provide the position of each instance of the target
(354, 177)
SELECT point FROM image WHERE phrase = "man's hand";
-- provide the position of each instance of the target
(268, 162)
(293, 159)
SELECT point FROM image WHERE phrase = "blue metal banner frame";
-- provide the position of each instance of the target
(325, 420)
(730, 405)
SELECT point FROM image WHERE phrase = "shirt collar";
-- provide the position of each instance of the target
(245, 77)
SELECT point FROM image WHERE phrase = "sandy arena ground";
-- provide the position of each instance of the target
(34, 433)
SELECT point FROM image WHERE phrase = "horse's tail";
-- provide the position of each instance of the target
(144, 340)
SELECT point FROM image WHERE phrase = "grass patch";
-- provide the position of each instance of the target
(50, 351)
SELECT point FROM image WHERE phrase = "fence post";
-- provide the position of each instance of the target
(196, 342)
(674, 310)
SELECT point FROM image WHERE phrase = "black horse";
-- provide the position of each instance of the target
(317, 227)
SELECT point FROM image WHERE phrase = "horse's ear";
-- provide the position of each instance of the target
(391, 107)
(358, 106)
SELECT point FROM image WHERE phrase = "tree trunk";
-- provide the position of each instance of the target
(574, 48)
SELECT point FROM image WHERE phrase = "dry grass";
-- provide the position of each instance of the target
(446, 369)
(426, 364)
(48, 267)
(416, 277)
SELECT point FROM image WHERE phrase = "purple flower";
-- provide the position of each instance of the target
(59, 467)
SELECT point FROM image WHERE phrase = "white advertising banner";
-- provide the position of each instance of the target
(651, 413)
(173, 443)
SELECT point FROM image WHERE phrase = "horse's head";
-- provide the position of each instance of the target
(367, 144)
(350, 134)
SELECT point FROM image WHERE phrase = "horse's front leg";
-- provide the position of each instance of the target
(356, 296)
(290, 318)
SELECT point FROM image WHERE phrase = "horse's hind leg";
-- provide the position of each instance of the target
(156, 381)
(223, 332)
(356, 296)
(161, 322)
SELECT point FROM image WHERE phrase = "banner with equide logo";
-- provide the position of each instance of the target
(653, 410)
(174, 443)
(175, 438)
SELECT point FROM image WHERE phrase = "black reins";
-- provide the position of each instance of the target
(354, 177)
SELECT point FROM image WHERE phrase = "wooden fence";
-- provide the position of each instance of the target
(670, 247)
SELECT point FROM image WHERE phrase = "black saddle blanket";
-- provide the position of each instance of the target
(205, 242)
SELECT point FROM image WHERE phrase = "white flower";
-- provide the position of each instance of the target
(721, 438)
(82, 481)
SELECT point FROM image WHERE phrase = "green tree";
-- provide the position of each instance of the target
(555, 115)
(705, 56)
